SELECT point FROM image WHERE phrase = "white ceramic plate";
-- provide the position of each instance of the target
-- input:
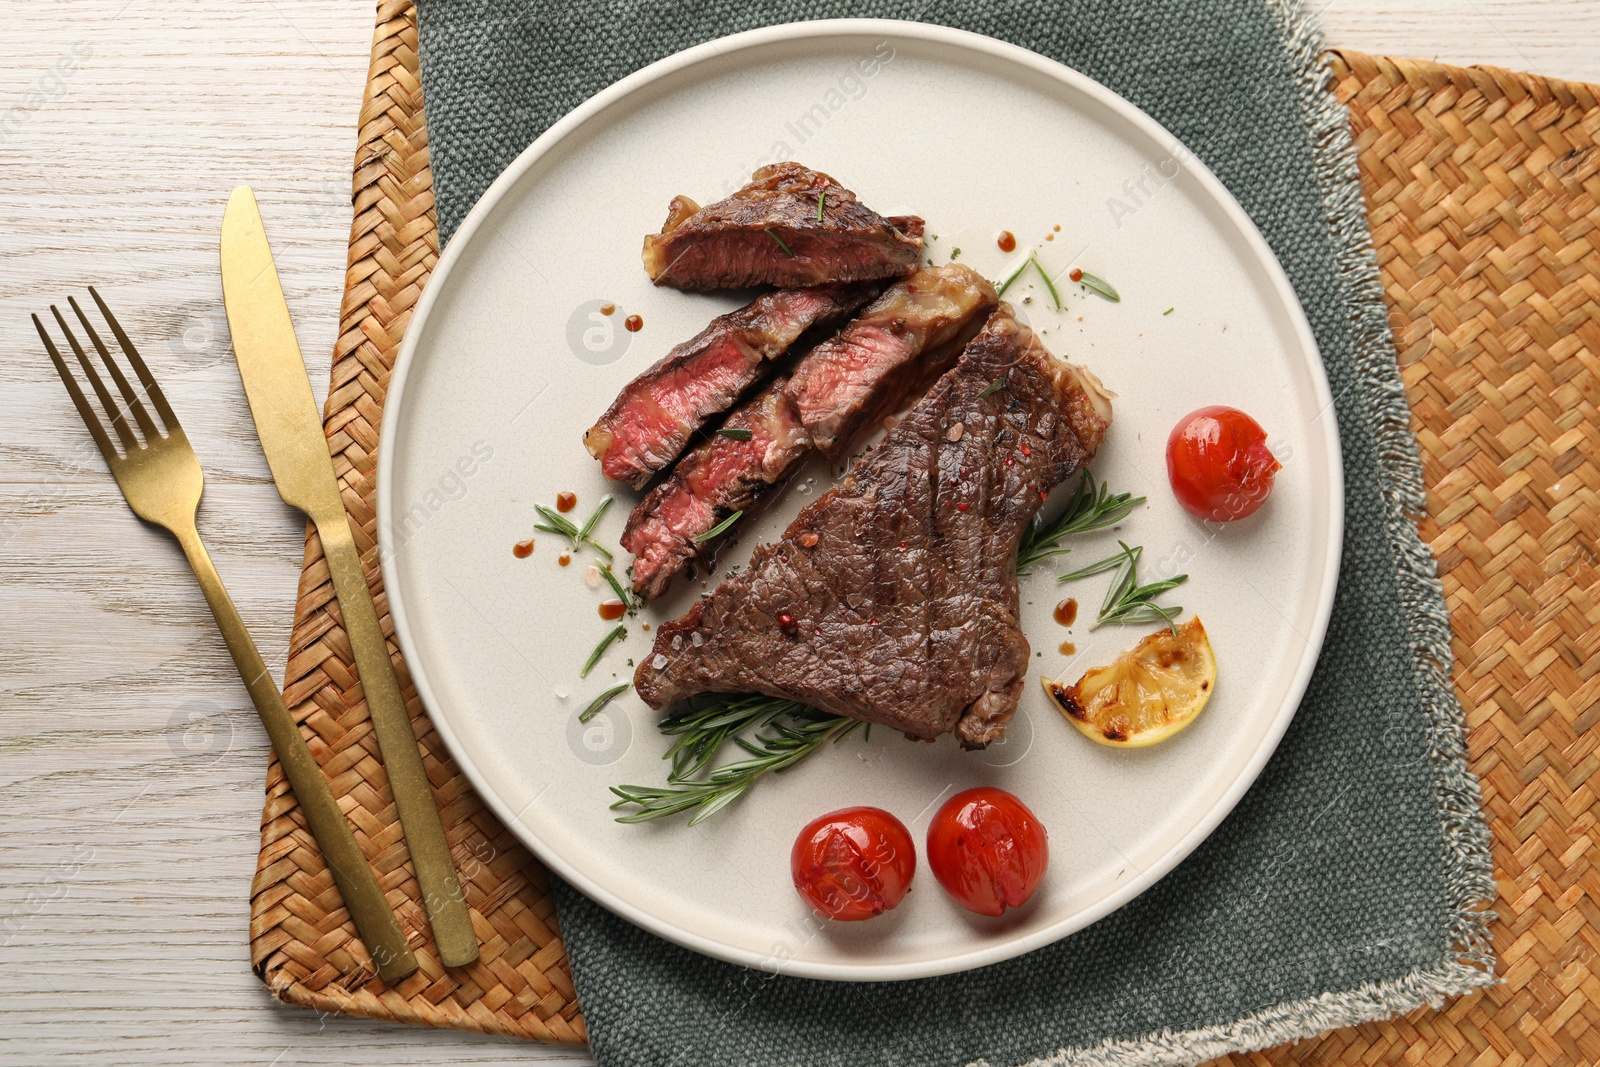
(508, 360)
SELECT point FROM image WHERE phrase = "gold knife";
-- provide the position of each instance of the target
(290, 428)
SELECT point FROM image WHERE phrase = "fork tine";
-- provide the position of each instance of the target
(151, 389)
(81, 402)
(130, 443)
(128, 393)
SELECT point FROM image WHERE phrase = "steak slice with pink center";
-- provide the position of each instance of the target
(869, 367)
(791, 226)
(893, 598)
(658, 413)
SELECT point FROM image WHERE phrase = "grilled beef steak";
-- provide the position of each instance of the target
(790, 227)
(657, 413)
(893, 598)
(714, 480)
(871, 364)
(868, 367)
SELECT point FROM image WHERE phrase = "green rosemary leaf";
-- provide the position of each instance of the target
(822, 199)
(781, 245)
(720, 528)
(594, 518)
(1048, 284)
(622, 593)
(1127, 601)
(558, 520)
(993, 387)
(1099, 285)
(1169, 311)
(736, 433)
(601, 701)
(1001, 289)
(1093, 507)
(774, 734)
(599, 650)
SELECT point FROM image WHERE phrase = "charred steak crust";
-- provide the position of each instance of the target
(769, 233)
(836, 390)
(660, 411)
(885, 600)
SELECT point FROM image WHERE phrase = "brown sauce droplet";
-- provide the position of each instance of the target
(633, 323)
(612, 610)
(645, 627)
(1049, 237)
(1058, 227)
(566, 501)
(1067, 612)
(1068, 648)
(523, 549)
(1007, 241)
(564, 559)
(607, 309)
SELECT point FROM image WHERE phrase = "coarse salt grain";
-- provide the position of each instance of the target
(677, 642)
(659, 662)
(591, 577)
(955, 431)
(697, 639)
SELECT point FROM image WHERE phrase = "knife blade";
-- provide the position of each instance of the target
(290, 429)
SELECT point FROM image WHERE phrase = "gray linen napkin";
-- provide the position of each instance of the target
(1349, 884)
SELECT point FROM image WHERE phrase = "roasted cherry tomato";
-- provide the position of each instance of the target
(987, 850)
(853, 863)
(1219, 464)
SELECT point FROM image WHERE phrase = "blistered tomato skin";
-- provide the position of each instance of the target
(988, 850)
(854, 863)
(1219, 464)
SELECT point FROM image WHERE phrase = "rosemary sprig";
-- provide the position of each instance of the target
(601, 701)
(557, 523)
(622, 593)
(822, 198)
(1055, 297)
(1093, 507)
(1127, 600)
(1032, 261)
(993, 387)
(1001, 289)
(778, 239)
(606, 642)
(594, 519)
(776, 733)
(720, 528)
(735, 433)
(1099, 285)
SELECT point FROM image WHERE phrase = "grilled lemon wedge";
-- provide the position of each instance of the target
(1147, 694)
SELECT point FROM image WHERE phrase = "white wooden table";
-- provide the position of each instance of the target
(131, 762)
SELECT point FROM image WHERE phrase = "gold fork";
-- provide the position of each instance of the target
(161, 480)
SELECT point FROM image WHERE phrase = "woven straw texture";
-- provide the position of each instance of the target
(1482, 189)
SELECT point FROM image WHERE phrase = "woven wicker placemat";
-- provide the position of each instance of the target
(1482, 189)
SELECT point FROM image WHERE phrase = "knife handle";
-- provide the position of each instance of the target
(363, 897)
(408, 779)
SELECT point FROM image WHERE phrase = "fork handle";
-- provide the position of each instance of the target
(363, 897)
(408, 778)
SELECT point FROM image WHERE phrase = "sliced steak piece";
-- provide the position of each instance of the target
(893, 598)
(790, 227)
(871, 364)
(715, 479)
(661, 410)
(868, 367)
